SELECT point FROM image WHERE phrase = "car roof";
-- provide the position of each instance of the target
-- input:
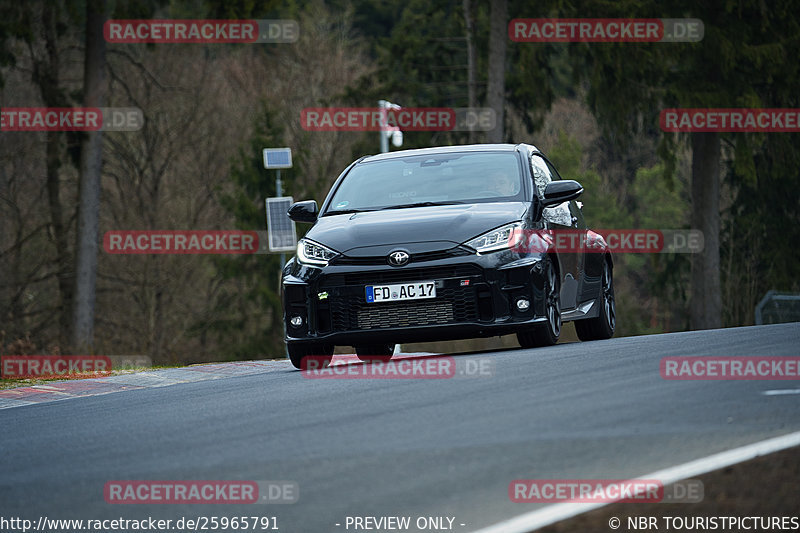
(448, 149)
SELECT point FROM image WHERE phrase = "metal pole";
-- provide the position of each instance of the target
(279, 193)
(384, 138)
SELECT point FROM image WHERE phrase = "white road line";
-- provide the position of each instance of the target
(561, 511)
(780, 392)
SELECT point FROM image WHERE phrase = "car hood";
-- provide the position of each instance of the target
(429, 228)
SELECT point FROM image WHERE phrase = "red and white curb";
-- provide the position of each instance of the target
(65, 390)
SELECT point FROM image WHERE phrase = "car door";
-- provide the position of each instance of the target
(566, 218)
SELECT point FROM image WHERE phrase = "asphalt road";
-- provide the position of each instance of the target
(378, 447)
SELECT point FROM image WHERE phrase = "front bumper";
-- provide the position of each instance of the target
(475, 297)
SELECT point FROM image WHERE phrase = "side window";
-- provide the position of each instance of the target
(541, 174)
(553, 171)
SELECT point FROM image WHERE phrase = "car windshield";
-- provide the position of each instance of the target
(450, 178)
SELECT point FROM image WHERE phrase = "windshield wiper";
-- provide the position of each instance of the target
(418, 204)
(346, 211)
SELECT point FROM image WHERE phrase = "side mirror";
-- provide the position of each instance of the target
(304, 211)
(558, 192)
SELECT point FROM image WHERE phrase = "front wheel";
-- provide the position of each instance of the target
(377, 353)
(603, 325)
(309, 356)
(548, 332)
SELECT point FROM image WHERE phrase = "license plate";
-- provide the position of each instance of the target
(401, 292)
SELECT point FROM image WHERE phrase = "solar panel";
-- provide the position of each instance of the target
(280, 228)
(277, 158)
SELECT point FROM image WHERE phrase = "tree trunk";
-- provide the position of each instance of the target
(469, 23)
(60, 230)
(496, 88)
(94, 84)
(46, 77)
(705, 306)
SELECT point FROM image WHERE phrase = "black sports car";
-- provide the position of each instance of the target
(423, 245)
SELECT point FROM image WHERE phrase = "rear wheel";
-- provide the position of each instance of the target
(375, 352)
(309, 356)
(546, 333)
(603, 325)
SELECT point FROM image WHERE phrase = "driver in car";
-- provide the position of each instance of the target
(501, 183)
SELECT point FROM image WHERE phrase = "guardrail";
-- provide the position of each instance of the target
(777, 308)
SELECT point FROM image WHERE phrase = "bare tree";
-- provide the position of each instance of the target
(496, 88)
(47, 58)
(327, 59)
(167, 175)
(200, 110)
(469, 23)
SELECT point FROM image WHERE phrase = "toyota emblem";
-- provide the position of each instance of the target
(398, 258)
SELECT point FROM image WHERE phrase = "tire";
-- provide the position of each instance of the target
(603, 325)
(306, 355)
(548, 332)
(378, 353)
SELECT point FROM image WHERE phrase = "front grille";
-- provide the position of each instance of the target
(452, 305)
(388, 315)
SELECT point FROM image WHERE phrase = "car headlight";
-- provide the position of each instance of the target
(506, 236)
(311, 253)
